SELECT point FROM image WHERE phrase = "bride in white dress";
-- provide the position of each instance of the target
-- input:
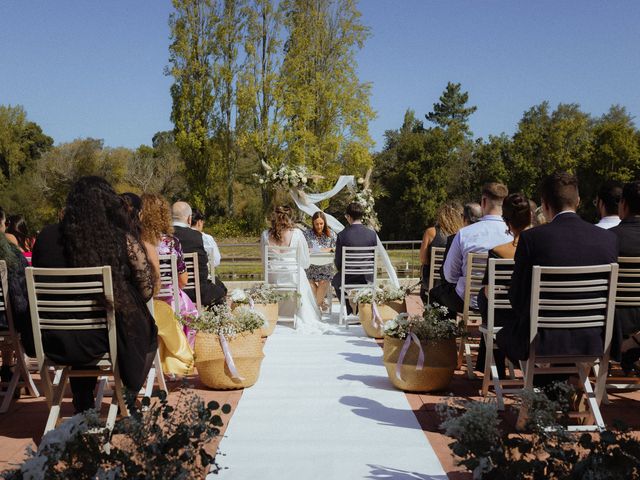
(283, 233)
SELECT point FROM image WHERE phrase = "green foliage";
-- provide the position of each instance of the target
(220, 320)
(21, 142)
(158, 442)
(549, 452)
(326, 107)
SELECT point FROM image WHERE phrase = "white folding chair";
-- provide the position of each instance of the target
(356, 261)
(10, 342)
(193, 282)
(627, 296)
(592, 291)
(169, 281)
(435, 263)
(476, 266)
(497, 291)
(282, 271)
(64, 299)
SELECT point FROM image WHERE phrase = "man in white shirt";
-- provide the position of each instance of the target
(607, 204)
(478, 237)
(210, 245)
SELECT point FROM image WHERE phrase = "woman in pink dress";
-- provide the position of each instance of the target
(175, 348)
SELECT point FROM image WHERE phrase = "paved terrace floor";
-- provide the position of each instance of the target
(22, 425)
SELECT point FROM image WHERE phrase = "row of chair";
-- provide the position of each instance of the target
(65, 299)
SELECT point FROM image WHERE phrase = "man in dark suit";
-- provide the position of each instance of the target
(628, 318)
(355, 235)
(192, 242)
(566, 240)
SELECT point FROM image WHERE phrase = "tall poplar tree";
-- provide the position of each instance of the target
(325, 105)
(228, 37)
(191, 57)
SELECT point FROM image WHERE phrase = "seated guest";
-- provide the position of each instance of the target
(607, 204)
(471, 213)
(16, 263)
(516, 213)
(479, 237)
(192, 242)
(320, 238)
(355, 235)
(628, 318)
(95, 232)
(448, 221)
(18, 234)
(210, 245)
(566, 240)
(175, 353)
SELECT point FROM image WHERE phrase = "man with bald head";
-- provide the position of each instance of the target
(192, 242)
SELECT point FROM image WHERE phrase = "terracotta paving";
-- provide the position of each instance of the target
(23, 425)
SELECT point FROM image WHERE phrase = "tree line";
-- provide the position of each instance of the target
(423, 164)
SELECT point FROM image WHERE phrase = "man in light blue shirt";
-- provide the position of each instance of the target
(490, 231)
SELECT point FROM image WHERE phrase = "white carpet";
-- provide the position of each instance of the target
(323, 408)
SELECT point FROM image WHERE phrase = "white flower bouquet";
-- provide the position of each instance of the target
(220, 320)
(285, 176)
(436, 323)
(262, 293)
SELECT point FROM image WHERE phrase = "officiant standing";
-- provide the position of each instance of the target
(355, 235)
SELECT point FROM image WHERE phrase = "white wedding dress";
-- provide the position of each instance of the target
(308, 316)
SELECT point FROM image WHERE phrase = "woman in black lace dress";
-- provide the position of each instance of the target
(95, 232)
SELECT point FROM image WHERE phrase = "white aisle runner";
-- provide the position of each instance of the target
(323, 408)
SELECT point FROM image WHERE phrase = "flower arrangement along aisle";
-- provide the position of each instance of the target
(420, 352)
(389, 301)
(228, 347)
(263, 298)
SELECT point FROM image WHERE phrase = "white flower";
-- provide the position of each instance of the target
(261, 181)
(391, 325)
(238, 296)
(304, 179)
(360, 181)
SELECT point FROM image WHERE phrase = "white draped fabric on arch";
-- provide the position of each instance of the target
(307, 203)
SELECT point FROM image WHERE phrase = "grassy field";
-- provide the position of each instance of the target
(241, 259)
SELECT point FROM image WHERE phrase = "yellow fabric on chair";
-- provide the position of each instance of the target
(175, 353)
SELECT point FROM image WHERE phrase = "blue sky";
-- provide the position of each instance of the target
(89, 68)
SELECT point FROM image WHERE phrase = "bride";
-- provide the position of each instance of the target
(284, 234)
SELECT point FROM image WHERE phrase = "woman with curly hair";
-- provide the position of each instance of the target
(175, 351)
(18, 234)
(283, 233)
(94, 232)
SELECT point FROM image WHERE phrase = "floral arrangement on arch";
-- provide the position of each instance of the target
(364, 196)
(435, 323)
(284, 176)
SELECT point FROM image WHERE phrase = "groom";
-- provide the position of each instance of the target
(355, 235)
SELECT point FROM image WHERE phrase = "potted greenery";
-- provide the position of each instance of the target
(228, 346)
(420, 351)
(263, 298)
(388, 303)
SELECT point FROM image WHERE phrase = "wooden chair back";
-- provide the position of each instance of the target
(169, 288)
(193, 281)
(435, 264)
(356, 261)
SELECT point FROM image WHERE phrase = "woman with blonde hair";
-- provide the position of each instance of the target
(175, 352)
(448, 221)
(283, 233)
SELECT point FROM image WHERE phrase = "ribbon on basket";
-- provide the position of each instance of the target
(251, 304)
(405, 347)
(228, 359)
(376, 317)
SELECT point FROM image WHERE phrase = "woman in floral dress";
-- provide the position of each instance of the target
(320, 239)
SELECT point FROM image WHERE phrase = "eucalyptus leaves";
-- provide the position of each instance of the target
(434, 324)
(384, 294)
(263, 293)
(220, 320)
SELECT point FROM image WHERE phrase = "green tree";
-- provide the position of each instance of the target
(326, 107)
(191, 58)
(451, 113)
(21, 142)
(228, 36)
(261, 113)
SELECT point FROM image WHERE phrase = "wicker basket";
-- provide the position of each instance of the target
(440, 357)
(388, 311)
(270, 312)
(246, 350)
